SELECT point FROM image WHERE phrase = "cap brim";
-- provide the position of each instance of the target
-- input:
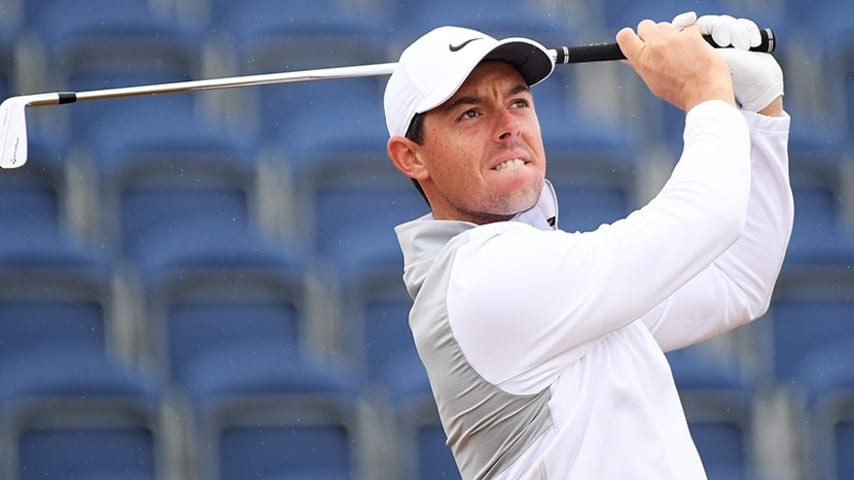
(529, 57)
(532, 60)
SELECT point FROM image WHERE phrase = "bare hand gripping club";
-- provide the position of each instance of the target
(13, 127)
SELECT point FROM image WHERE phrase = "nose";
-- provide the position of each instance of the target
(508, 126)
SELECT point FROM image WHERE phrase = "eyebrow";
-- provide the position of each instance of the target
(519, 89)
(471, 100)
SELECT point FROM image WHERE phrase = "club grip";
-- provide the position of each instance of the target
(602, 52)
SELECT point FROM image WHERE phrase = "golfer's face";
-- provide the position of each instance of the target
(483, 148)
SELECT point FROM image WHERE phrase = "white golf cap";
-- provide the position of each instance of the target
(432, 69)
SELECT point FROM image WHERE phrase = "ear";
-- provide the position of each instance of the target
(404, 154)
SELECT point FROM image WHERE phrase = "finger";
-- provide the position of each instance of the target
(693, 29)
(719, 27)
(684, 19)
(646, 27)
(707, 23)
(740, 33)
(722, 31)
(630, 43)
(754, 38)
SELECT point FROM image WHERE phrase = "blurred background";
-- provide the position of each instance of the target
(207, 285)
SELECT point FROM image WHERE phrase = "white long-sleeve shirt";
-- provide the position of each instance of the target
(544, 348)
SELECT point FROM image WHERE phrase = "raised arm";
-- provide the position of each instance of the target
(737, 287)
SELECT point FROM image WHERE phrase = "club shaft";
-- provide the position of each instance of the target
(571, 54)
(215, 84)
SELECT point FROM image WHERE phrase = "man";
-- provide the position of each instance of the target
(544, 349)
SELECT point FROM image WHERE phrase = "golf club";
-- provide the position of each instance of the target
(13, 126)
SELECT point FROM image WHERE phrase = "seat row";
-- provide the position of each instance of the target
(82, 45)
(69, 409)
(213, 318)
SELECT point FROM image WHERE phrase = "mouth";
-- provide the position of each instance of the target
(510, 164)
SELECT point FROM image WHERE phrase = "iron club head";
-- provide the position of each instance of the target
(13, 125)
(13, 132)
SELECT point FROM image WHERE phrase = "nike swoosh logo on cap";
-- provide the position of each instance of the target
(456, 48)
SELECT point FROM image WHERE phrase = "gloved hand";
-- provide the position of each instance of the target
(757, 78)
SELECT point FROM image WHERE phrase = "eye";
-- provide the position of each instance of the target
(520, 103)
(469, 114)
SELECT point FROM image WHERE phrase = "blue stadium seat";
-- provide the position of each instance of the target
(586, 203)
(809, 314)
(264, 36)
(159, 164)
(11, 18)
(312, 474)
(570, 131)
(293, 112)
(31, 323)
(268, 36)
(386, 333)
(318, 120)
(69, 409)
(263, 407)
(204, 288)
(662, 123)
(592, 164)
(828, 20)
(815, 52)
(822, 234)
(507, 18)
(834, 32)
(100, 44)
(7, 63)
(844, 436)
(420, 452)
(375, 327)
(52, 290)
(826, 380)
(109, 475)
(816, 150)
(108, 35)
(36, 193)
(717, 400)
(819, 122)
(805, 325)
(354, 223)
(819, 233)
(354, 198)
(583, 208)
(341, 169)
(617, 14)
(205, 293)
(67, 405)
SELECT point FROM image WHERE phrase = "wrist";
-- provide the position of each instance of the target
(774, 109)
(715, 85)
(722, 93)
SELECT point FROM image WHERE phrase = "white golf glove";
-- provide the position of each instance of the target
(757, 78)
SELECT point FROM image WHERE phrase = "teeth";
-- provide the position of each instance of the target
(510, 164)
